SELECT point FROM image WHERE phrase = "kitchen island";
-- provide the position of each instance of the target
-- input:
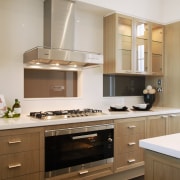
(162, 157)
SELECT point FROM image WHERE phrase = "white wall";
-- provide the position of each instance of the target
(22, 29)
(171, 11)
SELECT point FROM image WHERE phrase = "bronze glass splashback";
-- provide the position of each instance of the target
(116, 85)
(49, 83)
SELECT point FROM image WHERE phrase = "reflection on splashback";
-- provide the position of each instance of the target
(40, 83)
(118, 85)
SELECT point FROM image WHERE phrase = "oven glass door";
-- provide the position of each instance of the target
(74, 149)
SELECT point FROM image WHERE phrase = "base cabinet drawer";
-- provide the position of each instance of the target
(129, 143)
(133, 126)
(35, 176)
(18, 164)
(19, 142)
(129, 158)
(86, 174)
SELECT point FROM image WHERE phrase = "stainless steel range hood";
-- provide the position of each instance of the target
(58, 49)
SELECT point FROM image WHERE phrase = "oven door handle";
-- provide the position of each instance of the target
(84, 136)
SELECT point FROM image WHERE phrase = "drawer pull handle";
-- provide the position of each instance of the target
(131, 160)
(173, 115)
(14, 165)
(131, 143)
(84, 136)
(15, 141)
(133, 126)
(164, 116)
(83, 172)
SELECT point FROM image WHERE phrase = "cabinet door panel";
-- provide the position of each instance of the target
(129, 158)
(142, 47)
(157, 49)
(174, 124)
(129, 143)
(131, 127)
(19, 142)
(156, 126)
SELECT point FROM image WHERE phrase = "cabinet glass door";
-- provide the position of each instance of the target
(142, 47)
(124, 45)
(157, 49)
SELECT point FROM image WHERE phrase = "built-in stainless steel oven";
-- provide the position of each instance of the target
(77, 149)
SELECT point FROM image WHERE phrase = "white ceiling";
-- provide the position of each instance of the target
(162, 11)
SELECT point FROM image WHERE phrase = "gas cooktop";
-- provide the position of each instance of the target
(62, 114)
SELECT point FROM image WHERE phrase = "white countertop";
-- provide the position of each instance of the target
(26, 121)
(168, 144)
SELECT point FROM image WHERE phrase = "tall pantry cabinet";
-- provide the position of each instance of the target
(172, 65)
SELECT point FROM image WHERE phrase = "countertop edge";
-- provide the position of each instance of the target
(25, 121)
(167, 144)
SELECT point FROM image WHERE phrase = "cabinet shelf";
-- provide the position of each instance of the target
(160, 42)
(154, 54)
(125, 50)
(141, 38)
(125, 35)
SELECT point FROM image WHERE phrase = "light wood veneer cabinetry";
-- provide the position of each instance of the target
(20, 154)
(172, 55)
(128, 132)
(173, 125)
(156, 125)
(159, 166)
(132, 46)
(162, 124)
(93, 173)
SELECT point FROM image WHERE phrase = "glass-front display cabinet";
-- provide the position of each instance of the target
(132, 46)
(157, 49)
(118, 38)
(124, 45)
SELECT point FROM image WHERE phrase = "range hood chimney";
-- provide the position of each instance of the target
(58, 49)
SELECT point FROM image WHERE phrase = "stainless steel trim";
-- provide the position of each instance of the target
(84, 136)
(83, 172)
(164, 116)
(131, 143)
(132, 126)
(58, 132)
(173, 115)
(131, 160)
(14, 141)
(60, 58)
(14, 165)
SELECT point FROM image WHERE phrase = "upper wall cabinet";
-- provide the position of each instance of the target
(132, 46)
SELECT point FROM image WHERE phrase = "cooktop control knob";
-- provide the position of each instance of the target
(109, 139)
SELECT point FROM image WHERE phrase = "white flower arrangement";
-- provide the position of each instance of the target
(9, 113)
(149, 90)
